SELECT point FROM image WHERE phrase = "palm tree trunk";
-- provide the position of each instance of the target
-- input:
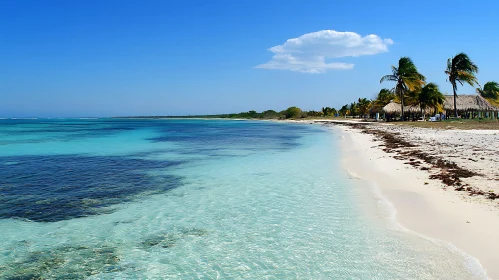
(455, 103)
(402, 105)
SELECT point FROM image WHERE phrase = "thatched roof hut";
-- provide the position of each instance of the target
(469, 102)
(394, 108)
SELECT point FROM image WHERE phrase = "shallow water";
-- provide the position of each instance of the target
(196, 199)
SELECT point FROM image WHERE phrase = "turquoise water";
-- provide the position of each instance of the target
(197, 199)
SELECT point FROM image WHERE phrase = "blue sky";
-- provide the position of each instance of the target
(110, 58)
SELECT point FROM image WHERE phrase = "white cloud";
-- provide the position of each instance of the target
(308, 53)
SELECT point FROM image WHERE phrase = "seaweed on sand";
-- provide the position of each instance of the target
(449, 173)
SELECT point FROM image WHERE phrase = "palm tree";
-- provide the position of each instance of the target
(407, 78)
(363, 106)
(461, 69)
(325, 111)
(384, 97)
(430, 96)
(353, 109)
(490, 90)
(343, 110)
(333, 111)
(412, 97)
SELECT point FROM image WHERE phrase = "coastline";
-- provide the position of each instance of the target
(421, 204)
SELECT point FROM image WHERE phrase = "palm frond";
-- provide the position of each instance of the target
(394, 70)
(463, 62)
(430, 96)
(388, 78)
(460, 69)
(407, 78)
(449, 66)
(467, 77)
(490, 90)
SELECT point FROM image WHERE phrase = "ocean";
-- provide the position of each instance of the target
(198, 199)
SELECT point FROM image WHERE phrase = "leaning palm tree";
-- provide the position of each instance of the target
(407, 78)
(489, 90)
(430, 96)
(461, 69)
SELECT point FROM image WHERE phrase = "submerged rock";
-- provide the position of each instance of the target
(166, 240)
(52, 188)
(171, 239)
(66, 262)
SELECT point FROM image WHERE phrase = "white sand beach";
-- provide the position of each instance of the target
(428, 206)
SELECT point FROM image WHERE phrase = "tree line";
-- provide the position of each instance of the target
(411, 87)
(292, 112)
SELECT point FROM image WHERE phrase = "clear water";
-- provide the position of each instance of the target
(196, 199)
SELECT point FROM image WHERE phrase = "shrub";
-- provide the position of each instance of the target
(293, 112)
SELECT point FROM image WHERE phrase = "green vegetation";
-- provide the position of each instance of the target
(384, 97)
(290, 113)
(461, 69)
(407, 79)
(326, 111)
(430, 97)
(490, 91)
(293, 113)
(363, 106)
(410, 89)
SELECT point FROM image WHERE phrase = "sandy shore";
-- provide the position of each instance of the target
(467, 219)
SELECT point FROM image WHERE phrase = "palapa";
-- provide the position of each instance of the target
(394, 108)
(468, 102)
